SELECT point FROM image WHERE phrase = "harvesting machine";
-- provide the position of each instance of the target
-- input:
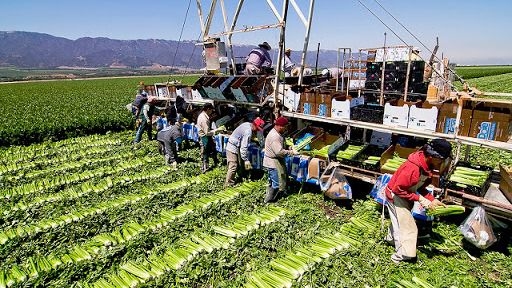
(388, 99)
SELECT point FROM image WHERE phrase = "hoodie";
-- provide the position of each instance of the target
(413, 175)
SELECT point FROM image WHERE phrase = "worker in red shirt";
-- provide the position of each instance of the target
(412, 176)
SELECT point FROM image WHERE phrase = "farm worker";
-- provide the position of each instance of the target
(273, 160)
(237, 148)
(205, 133)
(140, 99)
(412, 176)
(144, 120)
(332, 72)
(288, 64)
(141, 87)
(169, 139)
(258, 59)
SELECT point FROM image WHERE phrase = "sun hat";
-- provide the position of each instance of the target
(265, 45)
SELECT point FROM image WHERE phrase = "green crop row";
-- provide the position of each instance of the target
(49, 110)
(470, 72)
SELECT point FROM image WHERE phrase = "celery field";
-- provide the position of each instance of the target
(96, 212)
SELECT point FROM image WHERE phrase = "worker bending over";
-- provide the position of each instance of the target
(169, 139)
(412, 176)
(237, 148)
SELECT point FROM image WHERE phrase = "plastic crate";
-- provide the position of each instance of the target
(474, 190)
(369, 150)
(367, 113)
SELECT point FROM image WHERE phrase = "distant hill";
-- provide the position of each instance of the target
(44, 51)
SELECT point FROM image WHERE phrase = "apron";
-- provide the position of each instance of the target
(403, 230)
(281, 173)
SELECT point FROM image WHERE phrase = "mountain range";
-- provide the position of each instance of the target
(43, 51)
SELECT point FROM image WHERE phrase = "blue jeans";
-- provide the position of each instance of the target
(273, 177)
(144, 125)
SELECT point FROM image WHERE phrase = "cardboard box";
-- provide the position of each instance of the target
(403, 152)
(422, 118)
(323, 104)
(396, 116)
(307, 103)
(490, 125)
(340, 109)
(447, 116)
(506, 181)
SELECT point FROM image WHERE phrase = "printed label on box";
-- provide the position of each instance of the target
(307, 108)
(487, 131)
(449, 126)
(322, 110)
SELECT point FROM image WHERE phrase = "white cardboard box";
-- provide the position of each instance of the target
(396, 116)
(423, 118)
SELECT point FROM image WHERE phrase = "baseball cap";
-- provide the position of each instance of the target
(259, 123)
(441, 148)
(281, 121)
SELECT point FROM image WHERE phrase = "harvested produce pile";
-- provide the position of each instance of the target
(394, 163)
(350, 152)
(465, 177)
(115, 216)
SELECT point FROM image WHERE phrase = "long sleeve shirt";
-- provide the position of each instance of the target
(147, 112)
(259, 57)
(170, 133)
(239, 140)
(411, 177)
(274, 149)
(288, 64)
(203, 125)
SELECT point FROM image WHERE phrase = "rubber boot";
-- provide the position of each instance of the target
(204, 167)
(271, 194)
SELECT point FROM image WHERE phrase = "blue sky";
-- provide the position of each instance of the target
(470, 32)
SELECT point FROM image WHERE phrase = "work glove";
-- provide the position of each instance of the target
(247, 165)
(427, 204)
(424, 202)
(436, 203)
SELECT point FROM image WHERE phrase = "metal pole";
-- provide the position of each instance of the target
(306, 41)
(316, 63)
(280, 57)
(225, 18)
(210, 17)
(381, 101)
(233, 24)
(406, 88)
(338, 67)
(201, 19)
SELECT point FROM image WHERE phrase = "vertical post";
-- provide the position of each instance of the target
(201, 19)
(406, 88)
(381, 101)
(338, 68)
(233, 24)
(350, 70)
(306, 41)
(316, 63)
(280, 57)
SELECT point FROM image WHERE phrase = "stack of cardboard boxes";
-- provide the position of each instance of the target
(483, 121)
